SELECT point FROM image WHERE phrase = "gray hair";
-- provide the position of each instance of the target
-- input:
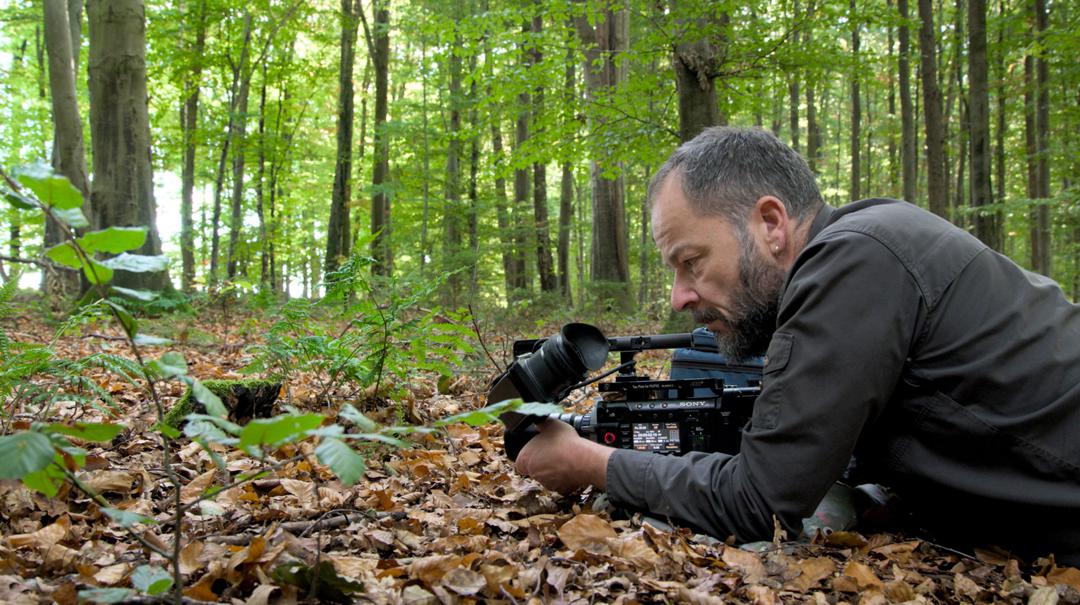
(725, 170)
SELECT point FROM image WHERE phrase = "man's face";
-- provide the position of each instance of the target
(721, 277)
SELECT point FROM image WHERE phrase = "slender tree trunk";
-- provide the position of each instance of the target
(610, 264)
(426, 145)
(338, 238)
(502, 214)
(793, 84)
(987, 224)
(189, 122)
(894, 166)
(378, 41)
(452, 192)
(1032, 172)
(937, 186)
(239, 156)
(69, 154)
(473, 219)
(264, 235)
(1002, 90)
(856, 107)
(1042, 133)
(518, 213)
(123, 189)
(908, 155)
(813, 129)
(219, 183)
(566, 186)
(544, 266)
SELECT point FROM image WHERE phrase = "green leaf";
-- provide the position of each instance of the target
(169, 365)
(127, 518)
(143, 295)
(114, 239)
(97, 273)
(105, 595)
(131, 327)
(17, 199)
(166, 430)
(137, 263)
(353, 415)
(202, 429)
(379, 437)
(87, 431)
(210, 401)
(72, 217)
(47, 481)
(151, 580)
(279, 430)
(346, 463)
(64, 254)
(24, 453)
(229, 427)
(52, 189)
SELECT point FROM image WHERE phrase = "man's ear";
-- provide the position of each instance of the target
(772, 224)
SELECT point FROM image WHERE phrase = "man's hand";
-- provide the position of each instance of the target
(562, 461)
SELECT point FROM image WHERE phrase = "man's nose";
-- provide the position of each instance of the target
(682, 296)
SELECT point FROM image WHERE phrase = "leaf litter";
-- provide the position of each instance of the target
(447, 521)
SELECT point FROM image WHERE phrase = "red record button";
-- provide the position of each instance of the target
(609, 437)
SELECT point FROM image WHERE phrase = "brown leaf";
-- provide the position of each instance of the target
(964, 586)
(898, 591)
(1046, 595)
(584, 531)
(1065, 575)
(762, 595)
(109, 481)
(747, 563)
(191, 492)
(636, 551)
(811, 573)
(430, 570)
(464, 582)
(191, 557)
(261, 594)
(113, 574)
(44, 537)
(354, 567)
(697, 597)
(864, 577)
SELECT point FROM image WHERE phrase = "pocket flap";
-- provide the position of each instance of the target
(776, 359)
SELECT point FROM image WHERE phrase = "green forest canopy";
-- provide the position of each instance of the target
(516, 139)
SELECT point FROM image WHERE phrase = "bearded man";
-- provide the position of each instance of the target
(950, 373)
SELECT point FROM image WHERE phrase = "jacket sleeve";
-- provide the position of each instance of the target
(848, 317)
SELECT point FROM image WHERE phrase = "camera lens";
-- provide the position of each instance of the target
(561, 361)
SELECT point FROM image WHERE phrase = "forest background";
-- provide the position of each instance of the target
(516, 139)
(363, 203)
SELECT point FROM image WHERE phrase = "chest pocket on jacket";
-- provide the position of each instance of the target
(767, 407)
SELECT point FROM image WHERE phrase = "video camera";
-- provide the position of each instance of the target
(699, 412)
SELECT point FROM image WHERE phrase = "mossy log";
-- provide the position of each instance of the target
(245, 399)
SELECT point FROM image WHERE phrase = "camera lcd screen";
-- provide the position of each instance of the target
(656, 436)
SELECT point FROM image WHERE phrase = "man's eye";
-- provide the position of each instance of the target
(690, 264)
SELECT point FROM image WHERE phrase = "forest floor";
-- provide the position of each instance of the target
(447, 520)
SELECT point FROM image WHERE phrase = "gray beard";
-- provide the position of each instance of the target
(754, 308)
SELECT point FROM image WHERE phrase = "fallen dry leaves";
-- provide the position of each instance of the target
(445, 522)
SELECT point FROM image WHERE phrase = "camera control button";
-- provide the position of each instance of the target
(609, 437)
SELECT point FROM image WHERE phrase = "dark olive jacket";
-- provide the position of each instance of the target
(950, 372)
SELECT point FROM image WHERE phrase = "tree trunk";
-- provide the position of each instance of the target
(1032, 172)
(219, 182)
(239, 155)
(473, 217)
(544, 266)
(793, 84)
(69, 154)
(123, 188)
(518, 213)
(566, 187)
(506, 238)
(338, 239)
(987, 224)
(1042, 145)
(264, 235)
(856, 108)
(378, 40)
(451, 256)
(894, 166)
(695, 62)
(425, 214)
(908, 155)
(1002, 91)
(189, 124)
(936, 184)
(610, 264)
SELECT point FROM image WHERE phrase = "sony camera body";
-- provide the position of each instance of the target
(703, 406)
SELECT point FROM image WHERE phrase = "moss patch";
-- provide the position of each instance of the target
(245, 399)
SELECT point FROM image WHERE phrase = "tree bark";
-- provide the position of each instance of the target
(936, 184)
(987, 224)
(338, 239)
(123, 188)
(908, 155)
(378, 42)
(544, 266)
(1042, 145)
(189, 124)
(696, 66)
(856, 109)
(239, 156)
(566, 186)
(610, 264)
(69, 154)
(452, 193)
